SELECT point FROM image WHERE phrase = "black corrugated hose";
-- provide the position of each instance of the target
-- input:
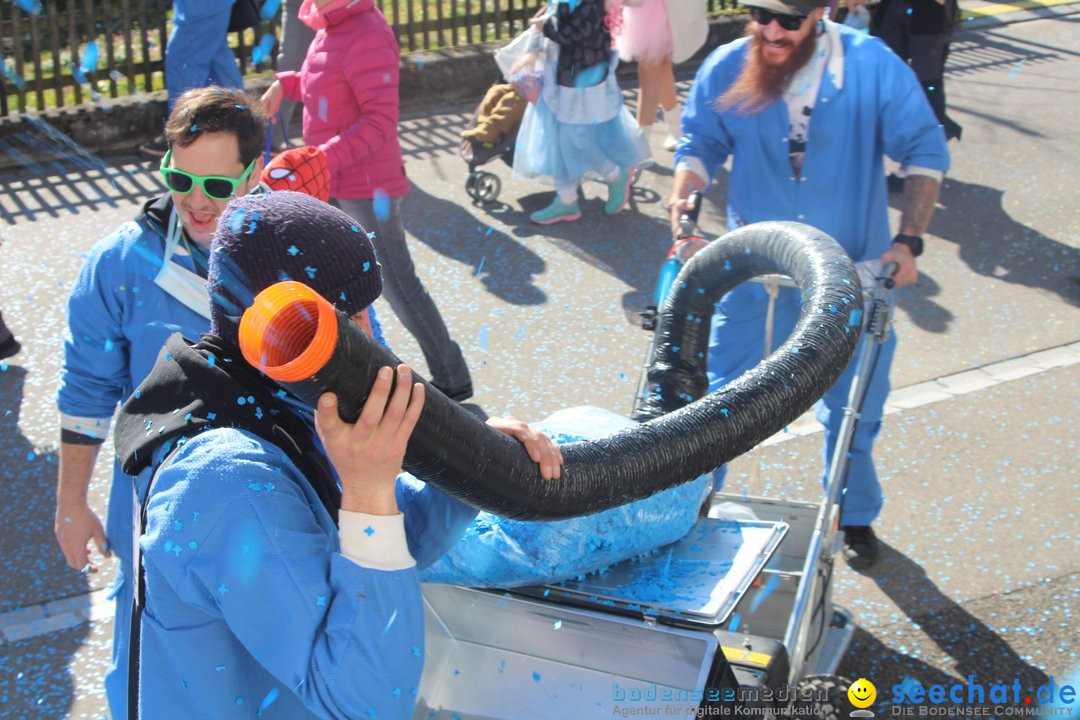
(682, 434)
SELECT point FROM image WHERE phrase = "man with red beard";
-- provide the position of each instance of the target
(807, 109)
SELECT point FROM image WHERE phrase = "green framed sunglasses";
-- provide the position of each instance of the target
(215, 186)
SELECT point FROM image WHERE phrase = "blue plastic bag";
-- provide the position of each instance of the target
(496, 552)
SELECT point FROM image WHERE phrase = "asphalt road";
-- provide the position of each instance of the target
(981, 571)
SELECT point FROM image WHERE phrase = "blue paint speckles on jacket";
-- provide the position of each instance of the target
(251, 605)
(880, 110)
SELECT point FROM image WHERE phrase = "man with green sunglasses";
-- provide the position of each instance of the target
(213, 186)
(138, 286)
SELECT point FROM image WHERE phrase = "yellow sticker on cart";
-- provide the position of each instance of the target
(742, 655)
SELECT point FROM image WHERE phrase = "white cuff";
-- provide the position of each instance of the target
(695, 166)
(927, 172)
(374, 541)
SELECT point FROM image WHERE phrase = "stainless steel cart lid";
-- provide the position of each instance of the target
(698, 579)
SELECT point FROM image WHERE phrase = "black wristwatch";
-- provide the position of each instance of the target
(914, 243)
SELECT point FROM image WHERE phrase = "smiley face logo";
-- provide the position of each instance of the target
(862, 693)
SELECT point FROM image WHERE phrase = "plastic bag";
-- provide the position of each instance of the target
(522, 62)
(496, 552)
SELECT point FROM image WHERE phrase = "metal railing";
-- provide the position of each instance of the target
(58, 53)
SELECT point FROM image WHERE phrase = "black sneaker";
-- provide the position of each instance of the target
(860, 546)
(894, 183)
(458, 394)
(155, 149)
(9, 347)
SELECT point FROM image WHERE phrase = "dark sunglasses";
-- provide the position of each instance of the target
(788, 22)
(214, 186)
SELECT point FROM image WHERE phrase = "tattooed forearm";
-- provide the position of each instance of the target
(920, 196)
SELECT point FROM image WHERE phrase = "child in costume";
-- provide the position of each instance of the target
(656, 34)
(579, 128)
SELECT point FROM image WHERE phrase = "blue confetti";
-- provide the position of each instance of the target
(536, 676)
(293, 250)
(31, 6)
(380, 203)
(1016, 69)
(369, 531)
(415, 651)
(267, 12)
(89, 61)
(264, 49)
(236, 221)
(390, 622)
(241, 400)
(482, 338)
(480, 266)
(30, 456)
(323, 108)
(321, 601)
(211, 416)
(366, 266)
(310, 272)
(268, 700)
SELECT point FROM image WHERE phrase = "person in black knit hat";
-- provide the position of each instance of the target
(277, 539)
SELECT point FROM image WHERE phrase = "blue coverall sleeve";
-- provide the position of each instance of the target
(346, 639)
(705, 135)
(96, 369)
(911, 132)
(434, 521)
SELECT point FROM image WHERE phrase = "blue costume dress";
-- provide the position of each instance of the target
(869, 105)
(579, 127)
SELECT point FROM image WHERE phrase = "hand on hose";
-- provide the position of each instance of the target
(75, 525)
(541, 449)
(900, 254)
(368, 454)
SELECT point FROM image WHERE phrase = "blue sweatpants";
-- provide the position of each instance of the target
(737, 343)
(198, 53)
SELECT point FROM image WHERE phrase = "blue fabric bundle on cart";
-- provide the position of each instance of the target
(498, 552)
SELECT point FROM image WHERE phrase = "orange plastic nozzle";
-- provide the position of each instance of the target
(289, 332)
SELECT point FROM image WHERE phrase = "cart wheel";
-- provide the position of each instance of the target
(488, 186)
(824, 697)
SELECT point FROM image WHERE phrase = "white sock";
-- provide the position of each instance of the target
(567, 194)
(612, 175)
(673, 117)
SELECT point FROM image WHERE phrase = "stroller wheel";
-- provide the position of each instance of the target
(635, 175)
(487, 186)
(471, 182)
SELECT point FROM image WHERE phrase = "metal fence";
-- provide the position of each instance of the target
(66, 52)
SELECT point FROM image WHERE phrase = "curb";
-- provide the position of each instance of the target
(429, 82)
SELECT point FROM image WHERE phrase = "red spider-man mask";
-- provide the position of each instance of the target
(303, 169)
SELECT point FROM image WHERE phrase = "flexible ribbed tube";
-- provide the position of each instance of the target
(682, 434)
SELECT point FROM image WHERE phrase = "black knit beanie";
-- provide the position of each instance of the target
(266, 238)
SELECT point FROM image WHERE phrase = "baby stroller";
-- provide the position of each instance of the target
(481, 185)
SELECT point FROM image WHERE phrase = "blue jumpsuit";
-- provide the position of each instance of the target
(198, 52)
(872, 107)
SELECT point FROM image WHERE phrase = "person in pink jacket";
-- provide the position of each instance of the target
(349, 87)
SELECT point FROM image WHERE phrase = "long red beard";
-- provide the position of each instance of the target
(759, 83)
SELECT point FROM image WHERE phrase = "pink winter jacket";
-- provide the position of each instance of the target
(349, 87)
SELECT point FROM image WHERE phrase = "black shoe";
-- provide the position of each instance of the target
(155, 149)
(458, 394)
(860, 546)
(9, 347)
(894, 183)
